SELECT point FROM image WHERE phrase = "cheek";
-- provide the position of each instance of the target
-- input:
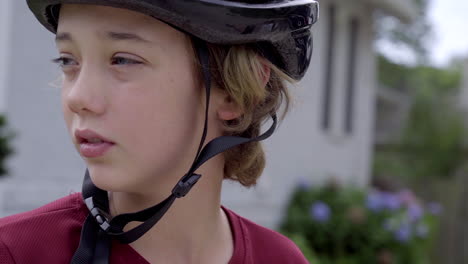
(159, 115)
(66, 111)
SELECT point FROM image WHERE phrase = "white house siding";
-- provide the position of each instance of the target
(47, 167)
(5, 32)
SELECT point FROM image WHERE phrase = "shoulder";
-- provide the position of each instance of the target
(50, 228)
(54, 212)
(263, 244)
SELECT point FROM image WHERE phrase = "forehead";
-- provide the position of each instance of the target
(80, 18)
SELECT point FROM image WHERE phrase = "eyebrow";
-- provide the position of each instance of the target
(63, 36)
(125, 36)
(117, 36)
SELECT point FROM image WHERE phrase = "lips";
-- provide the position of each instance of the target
(91, 144)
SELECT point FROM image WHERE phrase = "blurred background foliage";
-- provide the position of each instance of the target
(429, 154)
(432, 143)
(413, 37)
(392, 221)
(6, 149)
(347, 225)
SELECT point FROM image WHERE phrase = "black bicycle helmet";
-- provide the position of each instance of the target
(281, 31)
(280, 27)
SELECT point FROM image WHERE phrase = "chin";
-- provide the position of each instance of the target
(111, 179)
(127, 178)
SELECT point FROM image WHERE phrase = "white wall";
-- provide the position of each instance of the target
(5, 34)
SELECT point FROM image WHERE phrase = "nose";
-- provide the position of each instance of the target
(86, 94)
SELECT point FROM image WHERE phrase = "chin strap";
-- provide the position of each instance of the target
(100, 228)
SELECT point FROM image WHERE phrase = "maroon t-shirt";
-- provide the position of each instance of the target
(51, 234)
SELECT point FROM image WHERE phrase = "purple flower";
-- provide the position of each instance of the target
(407, 197)
(403, 234)
(391, 201)
(415, 212)
(434, 208)
(304, 184)
(320, 211)
(374, 201)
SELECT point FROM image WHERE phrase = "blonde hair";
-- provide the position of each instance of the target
(239, 71)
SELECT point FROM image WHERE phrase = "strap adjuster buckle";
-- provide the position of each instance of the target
(101, 216)
(184, 185)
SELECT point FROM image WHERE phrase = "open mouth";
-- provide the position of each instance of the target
(92, 141)
(91, 144)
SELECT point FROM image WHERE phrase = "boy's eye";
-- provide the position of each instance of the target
(64, 61)
(122, 60)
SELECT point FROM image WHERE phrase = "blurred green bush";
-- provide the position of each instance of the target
(5, 144)
(347, 225)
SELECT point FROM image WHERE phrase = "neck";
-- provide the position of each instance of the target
(193, 230)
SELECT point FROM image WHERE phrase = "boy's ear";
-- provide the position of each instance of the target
(228, 109)
(264, 71)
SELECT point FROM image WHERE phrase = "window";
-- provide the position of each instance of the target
(328, 83)
(351, 78)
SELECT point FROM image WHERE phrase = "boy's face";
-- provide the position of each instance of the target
(131, 79)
